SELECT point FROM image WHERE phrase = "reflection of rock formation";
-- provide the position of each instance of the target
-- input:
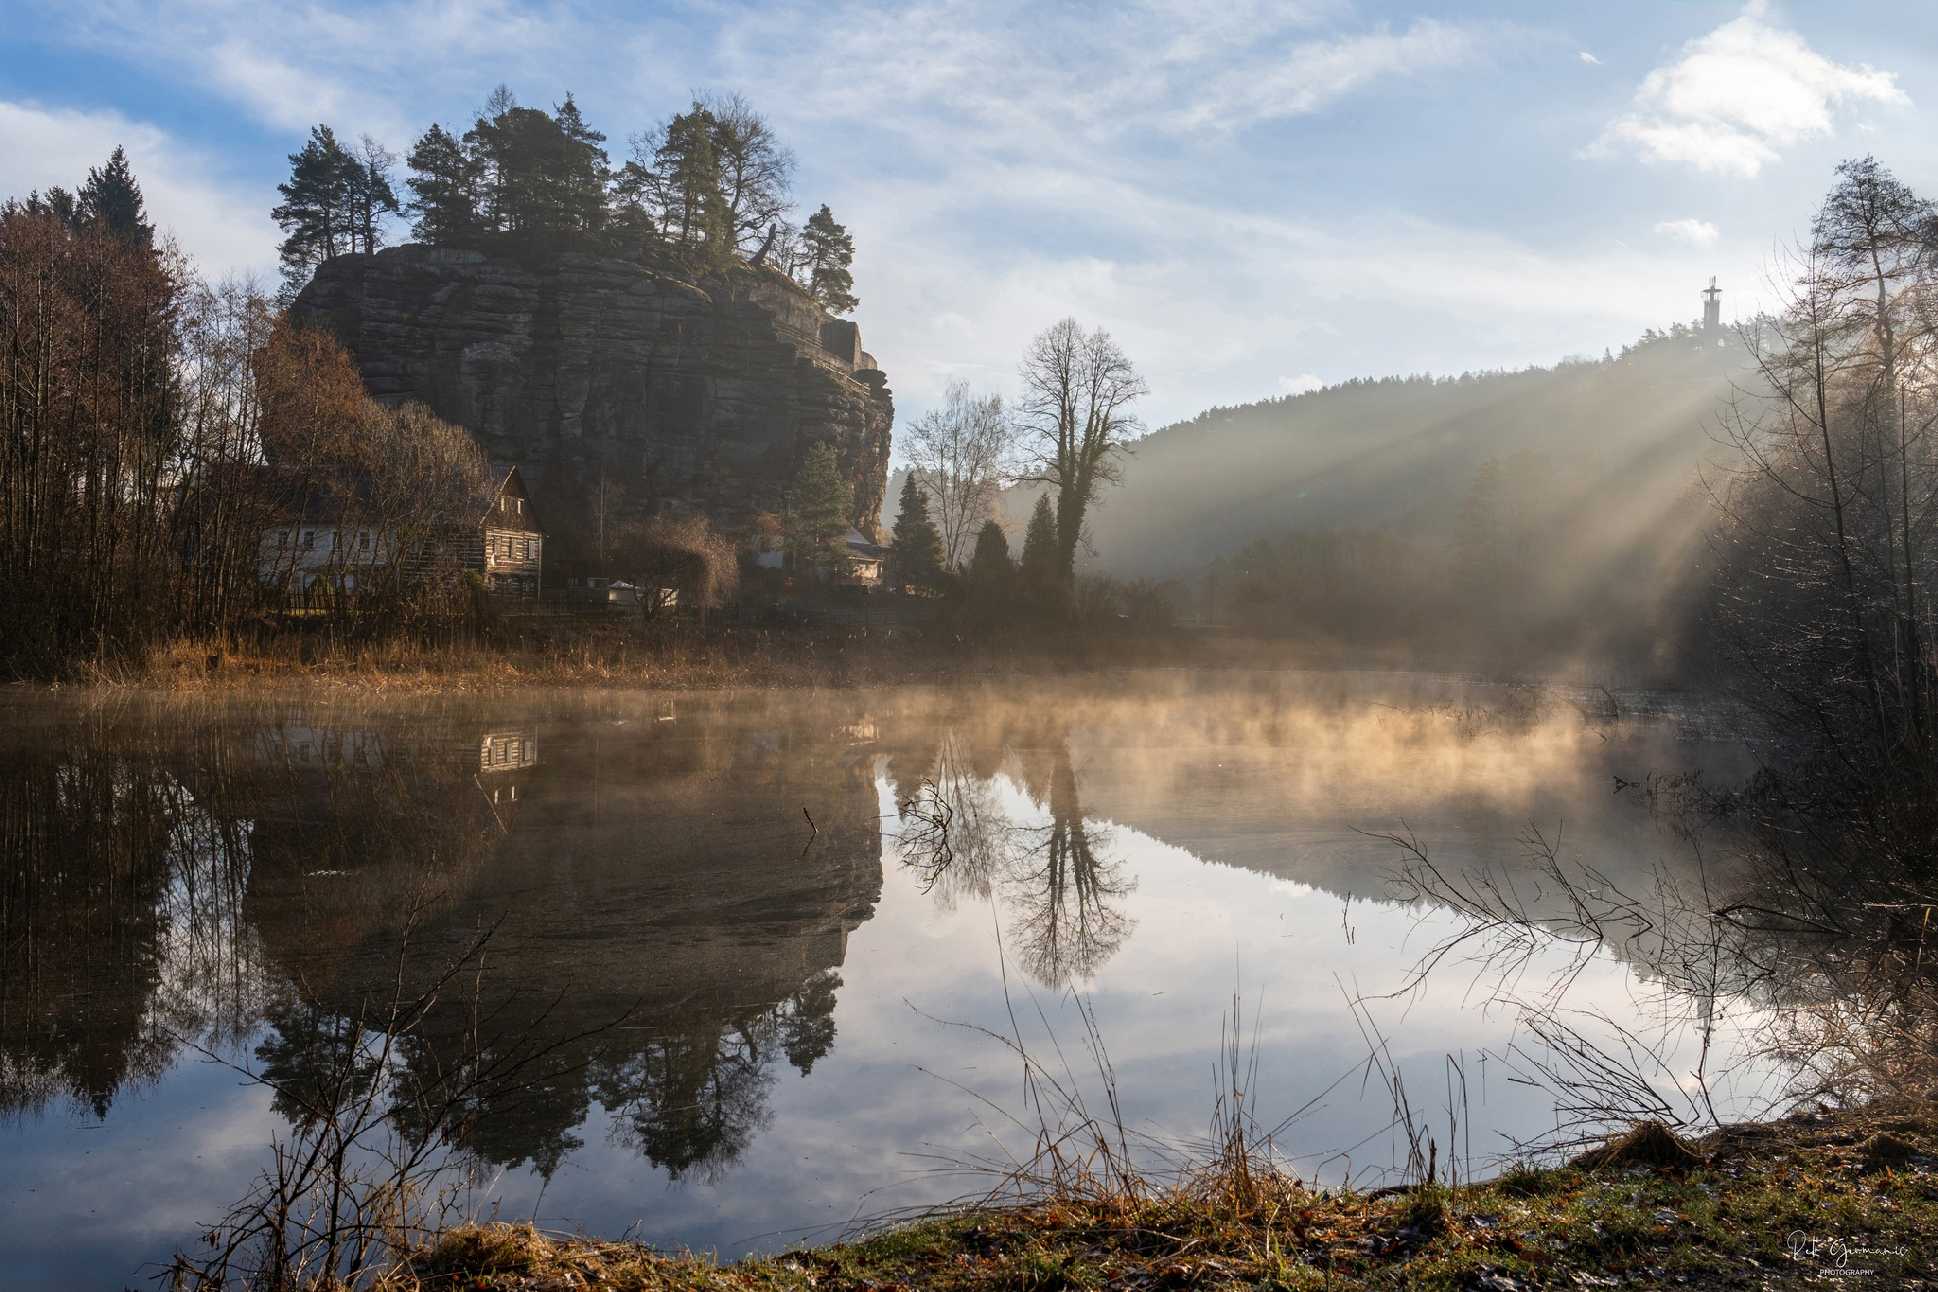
(649, 871)
(653, 877)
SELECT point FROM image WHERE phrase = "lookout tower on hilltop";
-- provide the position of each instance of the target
(1712, 307)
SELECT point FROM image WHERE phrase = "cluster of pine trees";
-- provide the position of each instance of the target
(701, 191)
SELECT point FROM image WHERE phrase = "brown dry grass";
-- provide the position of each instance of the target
(1732, 1218)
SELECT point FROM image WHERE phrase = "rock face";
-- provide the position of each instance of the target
(583, 369)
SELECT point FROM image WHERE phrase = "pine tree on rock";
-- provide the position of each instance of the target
(695, 218)
(830, 252)
(112, 197)
(582, 173)
(318, 213)
(444, 183)
(918, 543)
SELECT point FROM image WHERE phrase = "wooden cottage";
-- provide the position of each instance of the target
(324, 538)
(512, 557)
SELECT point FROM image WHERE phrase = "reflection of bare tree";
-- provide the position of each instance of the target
(1064, 888)
(1059, 881)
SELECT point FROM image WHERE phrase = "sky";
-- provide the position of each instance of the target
(1254, 198)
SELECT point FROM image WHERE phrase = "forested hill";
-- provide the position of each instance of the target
(1547, 519)
(1606, 441)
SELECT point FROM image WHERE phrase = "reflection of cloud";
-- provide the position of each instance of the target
(1737, 96)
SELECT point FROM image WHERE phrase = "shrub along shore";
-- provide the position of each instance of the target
(1823, 1199)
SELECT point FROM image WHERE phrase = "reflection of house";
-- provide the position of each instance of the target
(504, 760)
(507, 751)
(327, 536)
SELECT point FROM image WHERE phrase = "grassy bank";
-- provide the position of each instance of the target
(683, 656)
(1829, 1200)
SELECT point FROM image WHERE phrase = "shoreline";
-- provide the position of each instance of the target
(753, 659)
(1847, 1198)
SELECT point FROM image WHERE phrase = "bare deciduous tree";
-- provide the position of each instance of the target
(959, 453)
(756, 168)
(1076, 420)
(1828, 555)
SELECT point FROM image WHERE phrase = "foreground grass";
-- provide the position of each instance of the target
(1841, 1200)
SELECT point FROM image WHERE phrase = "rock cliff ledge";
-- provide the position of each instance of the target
(582, 369)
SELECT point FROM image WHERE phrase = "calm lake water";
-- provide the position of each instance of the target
(745, 962)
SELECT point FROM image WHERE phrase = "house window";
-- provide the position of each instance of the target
(282, 539)
(518, 505)
(309, 539)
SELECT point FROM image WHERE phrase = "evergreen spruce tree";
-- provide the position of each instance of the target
(696, 219)
(990, 566)
(444, 184)
(57, 202)
(819, 506)
(830, 251)
(1040, 552)
(113, 198)
(582, 173)
(918, 543)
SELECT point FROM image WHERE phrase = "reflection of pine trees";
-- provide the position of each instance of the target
(693, 1100)
(119, 900)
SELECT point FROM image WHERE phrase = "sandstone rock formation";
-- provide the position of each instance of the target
(582, 368)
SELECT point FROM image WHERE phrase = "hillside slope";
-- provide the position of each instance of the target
(1617, 438)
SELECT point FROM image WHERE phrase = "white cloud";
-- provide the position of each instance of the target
(1697, 233)
(1237, 290)
(291, 66)
(223, 225)
(1736, 97)
(1588, 58)
(1303, 384)
(1308, 75)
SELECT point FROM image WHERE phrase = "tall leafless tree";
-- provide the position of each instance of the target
(1828, 547)
(1076, 420)
(959, 453)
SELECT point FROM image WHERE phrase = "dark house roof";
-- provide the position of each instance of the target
(324, 494)
(509, 483)
(319, 495)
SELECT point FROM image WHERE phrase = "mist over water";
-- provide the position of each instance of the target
(720, 912)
